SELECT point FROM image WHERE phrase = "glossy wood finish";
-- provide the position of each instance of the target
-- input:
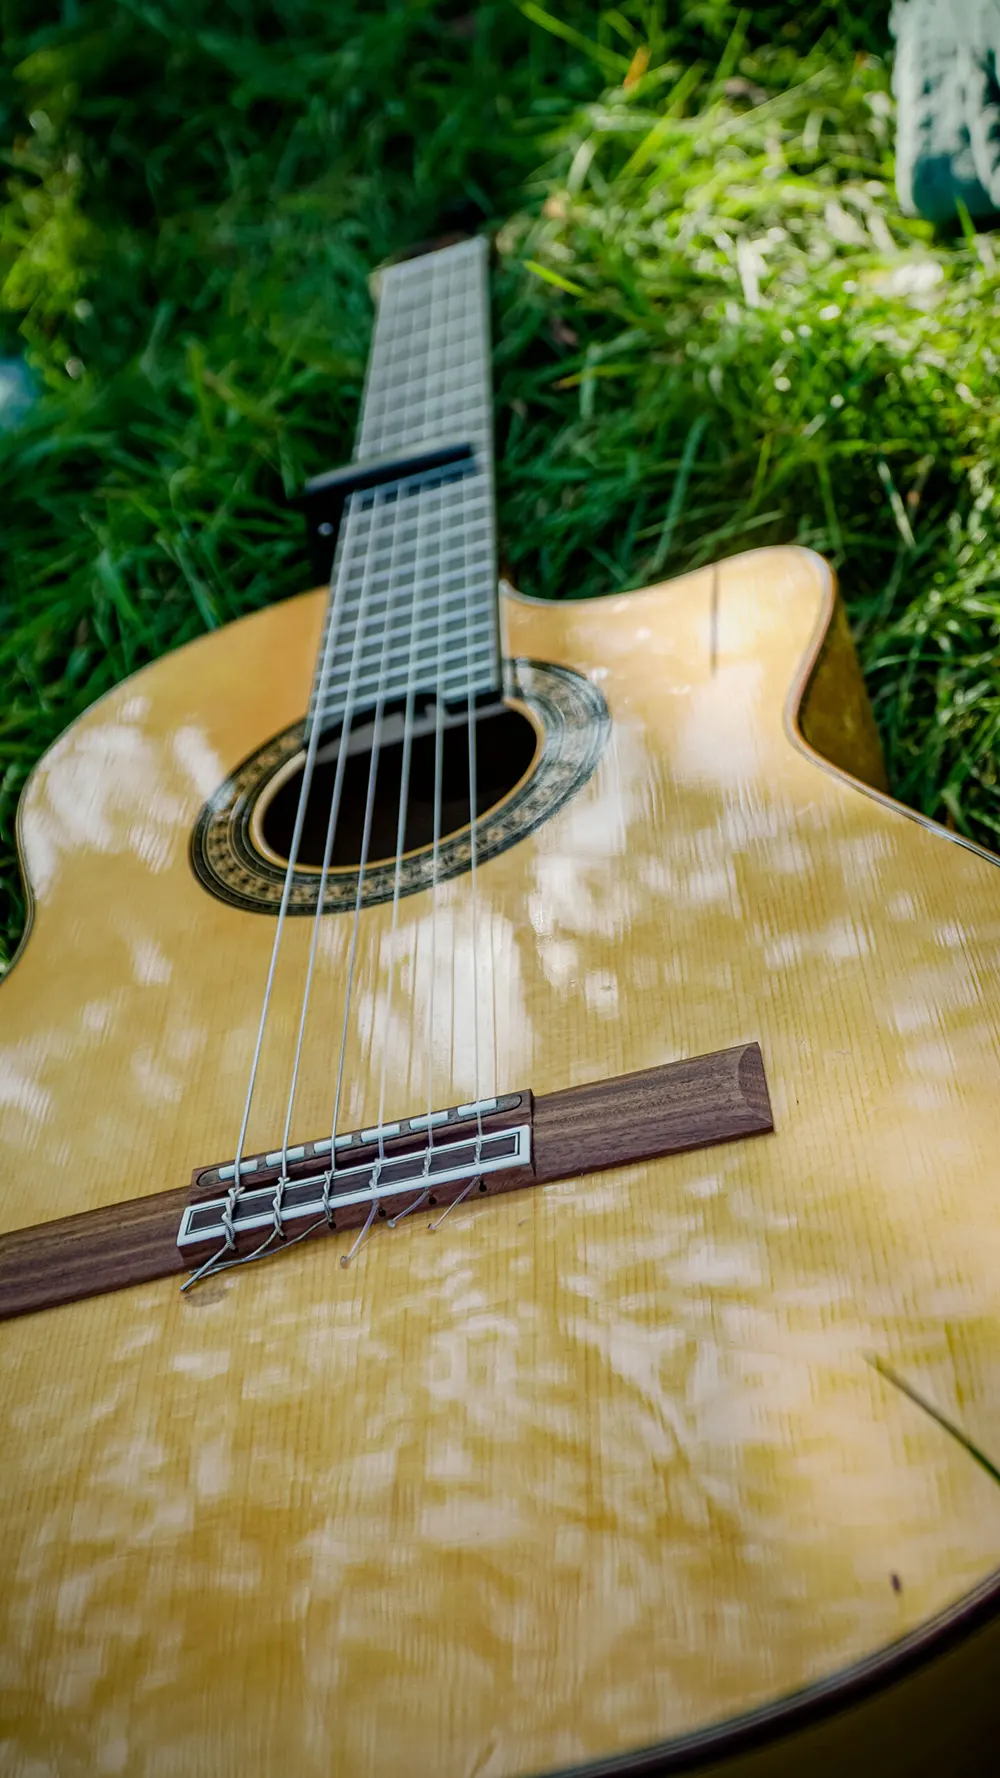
(835, 716)
(594, 1467)
(668, 1110)
(117, 1247)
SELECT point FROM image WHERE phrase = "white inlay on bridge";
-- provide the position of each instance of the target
(445, 1163)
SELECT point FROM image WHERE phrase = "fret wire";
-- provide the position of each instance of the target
(481, 649)
(450, 587)
(458, 651)
(449, 611)
(476, 666)
(450, 599)
(450, 541)
(444, 333)
(480, 652)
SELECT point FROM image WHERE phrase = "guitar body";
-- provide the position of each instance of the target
(594, 1468)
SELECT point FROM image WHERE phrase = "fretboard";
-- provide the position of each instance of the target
(413, 598)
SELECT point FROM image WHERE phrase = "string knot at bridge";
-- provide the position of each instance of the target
(439, 1156)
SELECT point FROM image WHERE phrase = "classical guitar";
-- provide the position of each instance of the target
(500, 1230)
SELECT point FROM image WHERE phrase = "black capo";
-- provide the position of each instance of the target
(324, 496)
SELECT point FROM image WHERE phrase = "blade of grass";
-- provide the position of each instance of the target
(691, 446)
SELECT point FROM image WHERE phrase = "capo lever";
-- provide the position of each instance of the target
(325, 496)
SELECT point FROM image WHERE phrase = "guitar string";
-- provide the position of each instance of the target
(439, 711)
(345, 568)
(471, 744)
(416, 627)
(473, 851)
(427, 499)
(312, 747)
(473, 841)
(473, 862)
(321, 690)
(424, 501)
(437, 500)
(357, 654)
(404, 798)
(435, 868)
(403, 424)
(385, 657)
(435, 309)
(489, 520)
(383, 498)
(360, 627)
(470, 707)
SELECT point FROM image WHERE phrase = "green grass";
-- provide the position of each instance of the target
(714, 329)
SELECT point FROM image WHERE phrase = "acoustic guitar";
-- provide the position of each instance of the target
(500, 1115)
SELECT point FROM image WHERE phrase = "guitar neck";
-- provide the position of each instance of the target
(413, 592)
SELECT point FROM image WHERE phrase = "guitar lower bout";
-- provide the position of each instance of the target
(598, 1477)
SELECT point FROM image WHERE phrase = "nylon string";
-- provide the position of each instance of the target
(312, 748)
(404, 798)
(361, 635)
(359, 898)
(422, 581)
(477, 1093)
(376, 505)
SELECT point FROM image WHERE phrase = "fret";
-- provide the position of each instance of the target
(415, 567)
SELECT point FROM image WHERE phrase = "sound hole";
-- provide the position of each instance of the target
(505, 746)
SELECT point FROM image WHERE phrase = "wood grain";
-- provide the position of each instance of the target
(596, 1468)
(636, 1117)
(654, 1112)
(100, 1250)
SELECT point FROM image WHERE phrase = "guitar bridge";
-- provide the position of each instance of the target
(435, 1159)
(439, 1171)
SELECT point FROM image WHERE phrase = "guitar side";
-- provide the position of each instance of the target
(601, 1467)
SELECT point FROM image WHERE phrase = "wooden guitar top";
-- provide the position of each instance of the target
(604, 1466)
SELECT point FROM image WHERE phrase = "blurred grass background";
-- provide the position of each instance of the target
(714, 329)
